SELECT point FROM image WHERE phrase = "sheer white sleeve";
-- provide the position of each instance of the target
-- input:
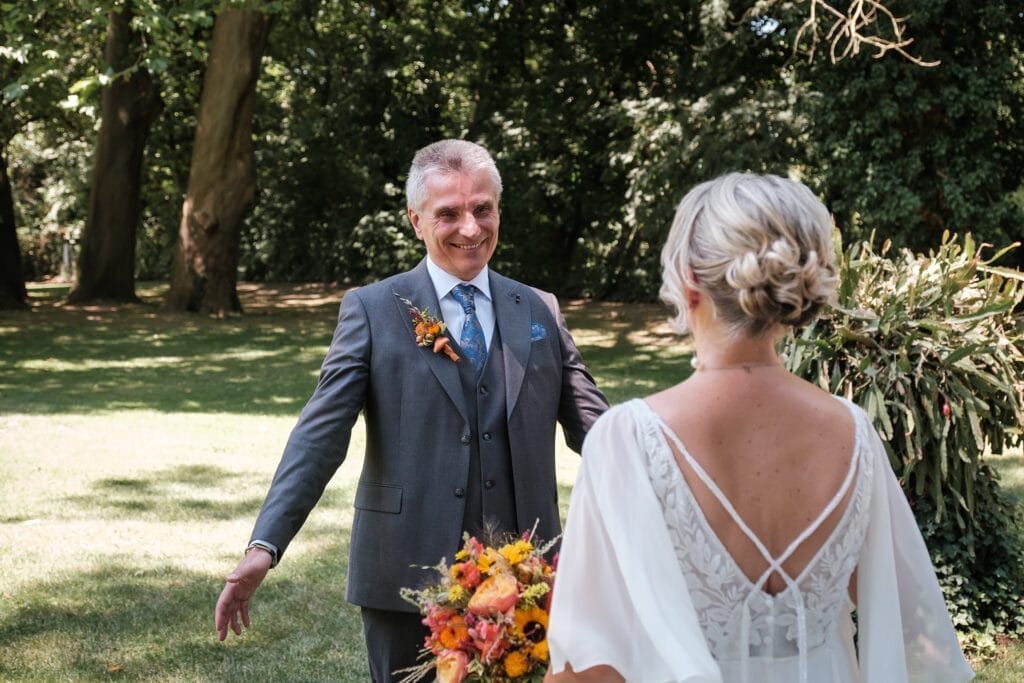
(620, 598)
(904, 629)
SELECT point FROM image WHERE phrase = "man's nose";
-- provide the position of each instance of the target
(468, 225)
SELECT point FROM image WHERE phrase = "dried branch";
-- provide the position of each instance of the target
(860, 26)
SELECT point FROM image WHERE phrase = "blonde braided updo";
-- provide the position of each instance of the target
(759, 246)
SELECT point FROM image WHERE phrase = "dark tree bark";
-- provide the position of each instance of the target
(131, 103)
(222, 177)
(12, 278)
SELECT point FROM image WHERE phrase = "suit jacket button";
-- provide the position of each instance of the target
(465, 438)
(460, 492)
(489, 484)
(483, 389)
(487, 436)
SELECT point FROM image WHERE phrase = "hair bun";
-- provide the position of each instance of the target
(759, 246)
(777, 285)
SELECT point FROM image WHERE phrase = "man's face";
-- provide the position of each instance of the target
(458, 222)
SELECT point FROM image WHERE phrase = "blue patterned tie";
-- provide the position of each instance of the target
(472, 341)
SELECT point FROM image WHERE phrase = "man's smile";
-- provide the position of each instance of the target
(467, 247)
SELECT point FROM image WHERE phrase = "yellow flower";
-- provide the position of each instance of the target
(486, 560)
(516, 664)
(455, 592)
(516, 552)
(531, 624)
(540, 651)
(461, 555)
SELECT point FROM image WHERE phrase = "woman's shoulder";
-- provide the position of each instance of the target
(621, 426)
(626, 414)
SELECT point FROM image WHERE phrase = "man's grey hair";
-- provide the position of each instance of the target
(447, 157)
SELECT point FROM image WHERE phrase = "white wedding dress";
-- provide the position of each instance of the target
(644, 585)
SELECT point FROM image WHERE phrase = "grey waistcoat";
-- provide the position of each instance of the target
(490, 494)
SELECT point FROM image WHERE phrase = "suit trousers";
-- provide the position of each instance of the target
(393, 641)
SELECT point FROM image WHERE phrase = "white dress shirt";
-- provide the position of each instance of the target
(451, 310)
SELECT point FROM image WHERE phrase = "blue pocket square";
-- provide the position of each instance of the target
(537, 332)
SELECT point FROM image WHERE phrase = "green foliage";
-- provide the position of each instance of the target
(979, 568)
(51, 181)
(600, 113)
(911, 151)
(931, 348)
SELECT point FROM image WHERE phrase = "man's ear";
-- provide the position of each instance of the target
(414, 218)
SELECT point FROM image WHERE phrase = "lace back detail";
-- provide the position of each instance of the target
(739, 619)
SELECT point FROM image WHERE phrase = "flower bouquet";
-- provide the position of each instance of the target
(488, 614)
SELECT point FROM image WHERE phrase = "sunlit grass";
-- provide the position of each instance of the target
(1011, 473)
(135, 450)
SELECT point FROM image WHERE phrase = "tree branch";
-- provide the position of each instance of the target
(861, 25)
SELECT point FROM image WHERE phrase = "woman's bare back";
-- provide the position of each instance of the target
(776, 446)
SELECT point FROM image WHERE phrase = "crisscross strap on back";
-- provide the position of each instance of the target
(774, 563)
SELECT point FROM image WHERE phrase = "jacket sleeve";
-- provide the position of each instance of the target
(319, 441)
(581, 402)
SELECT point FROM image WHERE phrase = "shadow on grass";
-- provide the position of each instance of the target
(95, 359)
(117, 621)
(100, 358)
(186, 493)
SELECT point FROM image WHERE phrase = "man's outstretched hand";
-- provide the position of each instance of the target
(233, 603)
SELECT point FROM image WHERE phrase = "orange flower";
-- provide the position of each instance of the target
(428, 330)
(516, 664)
(498, 593)
(455, 633)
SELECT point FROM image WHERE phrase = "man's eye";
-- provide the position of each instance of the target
(482, 211)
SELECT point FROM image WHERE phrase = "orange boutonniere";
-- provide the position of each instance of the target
(429, 330)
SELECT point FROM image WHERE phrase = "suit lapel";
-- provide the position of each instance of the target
(512, 316)
(420, 291)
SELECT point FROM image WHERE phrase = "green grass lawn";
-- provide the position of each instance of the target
(135, 449)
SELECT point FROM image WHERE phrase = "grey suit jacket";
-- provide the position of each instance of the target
(407, 512)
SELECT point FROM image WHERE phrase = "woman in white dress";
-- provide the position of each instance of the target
(724, 529)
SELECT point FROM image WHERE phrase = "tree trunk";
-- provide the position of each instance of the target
(131, 103)
(222, 177)
(12, 278)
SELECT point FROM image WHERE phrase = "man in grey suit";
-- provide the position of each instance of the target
(451, 445)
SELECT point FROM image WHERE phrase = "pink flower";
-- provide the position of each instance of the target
(466, 574)
(498, 593)
(451, 667)
(437, 618)
(475, 547)
(489, 639)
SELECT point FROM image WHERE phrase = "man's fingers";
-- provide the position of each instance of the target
(234, 623)
(245, 613)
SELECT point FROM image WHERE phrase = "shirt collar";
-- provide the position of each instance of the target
(445, 282)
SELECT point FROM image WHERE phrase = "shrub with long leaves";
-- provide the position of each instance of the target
(932, 347)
